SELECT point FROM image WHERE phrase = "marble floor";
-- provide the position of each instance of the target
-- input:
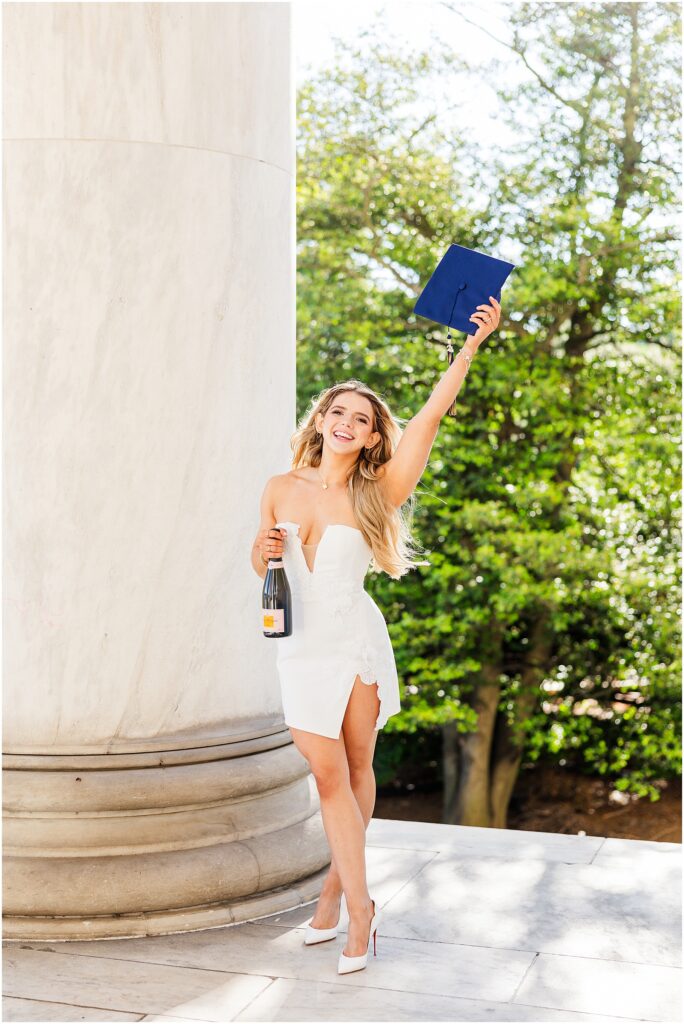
(478, 925)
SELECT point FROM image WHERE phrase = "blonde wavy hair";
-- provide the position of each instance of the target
(386, 528)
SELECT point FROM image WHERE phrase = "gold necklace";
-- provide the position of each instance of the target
(323, 482)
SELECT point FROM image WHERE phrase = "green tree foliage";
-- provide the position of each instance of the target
(547, 622)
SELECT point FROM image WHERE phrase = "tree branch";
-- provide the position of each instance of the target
(578, 107)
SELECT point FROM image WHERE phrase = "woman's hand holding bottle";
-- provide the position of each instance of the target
(270, 543)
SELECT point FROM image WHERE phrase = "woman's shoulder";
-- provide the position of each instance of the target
(281, 483)
(301, 475)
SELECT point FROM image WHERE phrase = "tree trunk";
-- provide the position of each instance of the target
(480, 768)
(507, 748)
(506, 758)
(449, 768)
(468, 800)
(471, 804)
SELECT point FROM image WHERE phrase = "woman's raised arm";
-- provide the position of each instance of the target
(407, 465)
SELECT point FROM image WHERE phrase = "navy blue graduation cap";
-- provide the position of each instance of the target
(463, 280)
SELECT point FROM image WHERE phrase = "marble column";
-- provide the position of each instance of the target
(150, 784)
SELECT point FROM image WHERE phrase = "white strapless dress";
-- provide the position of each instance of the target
(338, 632)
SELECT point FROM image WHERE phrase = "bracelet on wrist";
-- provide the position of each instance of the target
(466, 355)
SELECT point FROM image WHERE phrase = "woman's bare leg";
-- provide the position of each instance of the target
(334, 763)
(360, 738)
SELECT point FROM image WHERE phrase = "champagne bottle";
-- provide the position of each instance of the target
(276, 600)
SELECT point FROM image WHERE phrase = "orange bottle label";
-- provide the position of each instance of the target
(274, 620)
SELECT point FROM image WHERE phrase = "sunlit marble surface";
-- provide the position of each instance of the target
(478, 925)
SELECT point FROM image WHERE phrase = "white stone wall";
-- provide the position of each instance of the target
(149, 371)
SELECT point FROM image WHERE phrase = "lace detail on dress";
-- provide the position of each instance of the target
(376, 668)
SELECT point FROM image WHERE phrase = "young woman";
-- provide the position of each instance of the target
(336, 510)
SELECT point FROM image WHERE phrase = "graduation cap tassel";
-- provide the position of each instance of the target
(451, 411)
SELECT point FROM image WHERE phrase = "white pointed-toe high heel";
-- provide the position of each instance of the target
(314, 935)
(347, 964)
